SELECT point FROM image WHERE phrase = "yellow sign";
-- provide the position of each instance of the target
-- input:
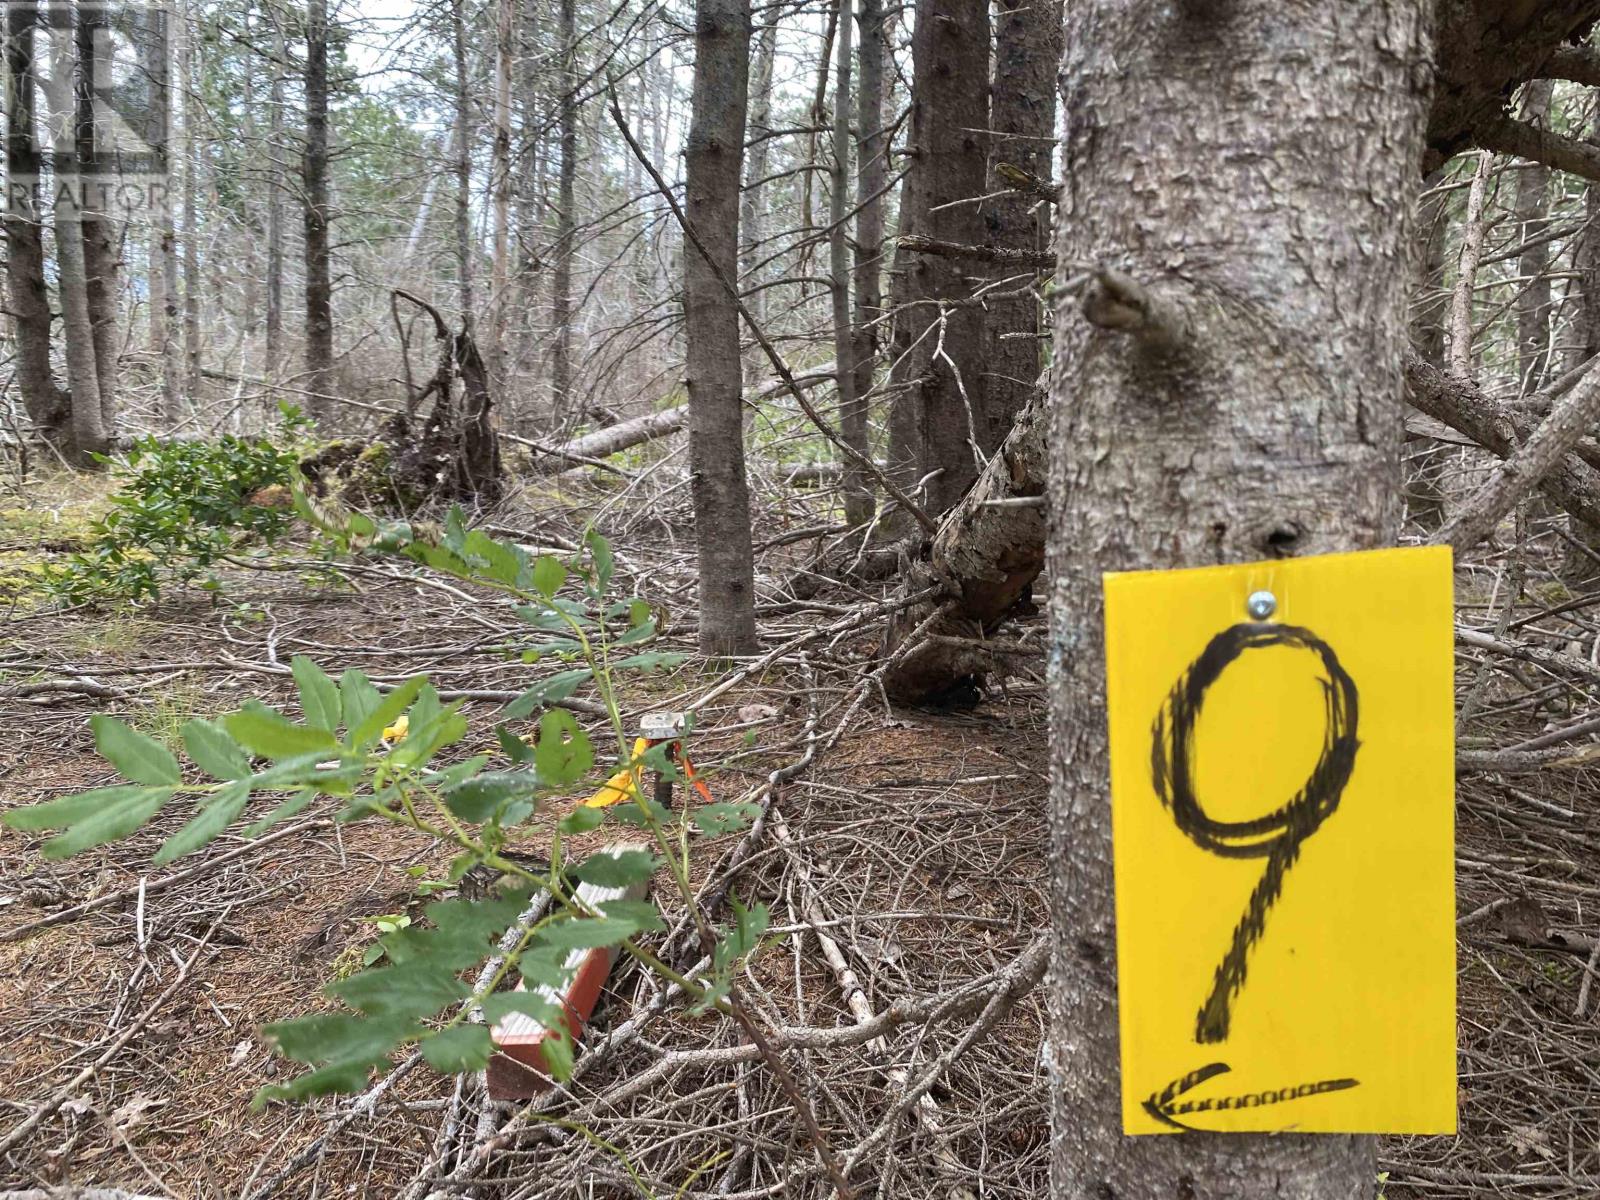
(1282, 791)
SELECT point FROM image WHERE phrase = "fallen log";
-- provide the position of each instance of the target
(583, 451)
(624, 435)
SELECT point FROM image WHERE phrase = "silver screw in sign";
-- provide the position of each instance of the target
(1261, 605)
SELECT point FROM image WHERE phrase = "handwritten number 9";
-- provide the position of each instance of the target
(1278, 835)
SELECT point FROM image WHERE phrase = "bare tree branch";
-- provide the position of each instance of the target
(1505, 135)
(1577, 63)
(995, 254)
(1525, 470)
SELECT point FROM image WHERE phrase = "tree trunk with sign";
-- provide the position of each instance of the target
(1230, 393)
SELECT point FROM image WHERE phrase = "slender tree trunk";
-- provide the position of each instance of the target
(193, 283)
(275, 187)
(566, 223)
(463, 150)
(500, 169)
(164, 295)
(319, 272)
(1472, 232)
(97, 224)
(1027, 54)
(753, 209)
(852, 405)
(530, 207)
(1248, 408)
(1578, 568)
(1533, 218)
(48, 405)
(711, 325)
(89, 434)
(1427, 459)
(949, 148)
(872, 179)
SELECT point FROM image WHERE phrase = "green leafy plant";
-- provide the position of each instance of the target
(381, 755)
(180, 507)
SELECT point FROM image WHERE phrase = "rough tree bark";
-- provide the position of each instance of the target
(464, 101)
(752, 209)
(566, 223)
(852, 403)
(97, 223)
(1234, 396)
(48, 405)
(1533, 218)
(314, 165)
(942, 372)
(275, 189)
(193, 284)
(720, 490)
(1022, 116)
(164, 296)
(1425, 467)
(500, 172)
(872, 180)
(1579, 566)
(89, 433)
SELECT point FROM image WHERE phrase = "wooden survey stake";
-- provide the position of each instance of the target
(1282, 791)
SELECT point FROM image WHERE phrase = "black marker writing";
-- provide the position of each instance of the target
(1277, 836)
(1165, 1106)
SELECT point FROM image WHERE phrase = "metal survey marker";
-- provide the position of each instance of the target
(1282, 789)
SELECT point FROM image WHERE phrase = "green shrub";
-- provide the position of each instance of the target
(179, 507)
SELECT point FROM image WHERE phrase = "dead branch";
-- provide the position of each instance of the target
(1460, 404)
(918, 244)
(1507, 135)
(1029, 183)
(1569, 420)
(1580, 64)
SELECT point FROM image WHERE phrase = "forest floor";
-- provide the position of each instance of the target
(905, 862)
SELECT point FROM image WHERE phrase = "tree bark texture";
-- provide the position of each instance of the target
(98, 226)
(275, 190)
(711, 325)
(1533, 218)
(1579, 568)
(89, 434)
(464, 134)
(48, 405)
(500, 172)
(949, 148)
(872, 180)
(193, 283)
(566, 223)
(1251, 168)
(752, 209)
(319, 279)
(1022, 115)
(852, 403)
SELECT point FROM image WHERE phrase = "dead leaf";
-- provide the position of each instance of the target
(1530, 1139)
(131, 1113)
